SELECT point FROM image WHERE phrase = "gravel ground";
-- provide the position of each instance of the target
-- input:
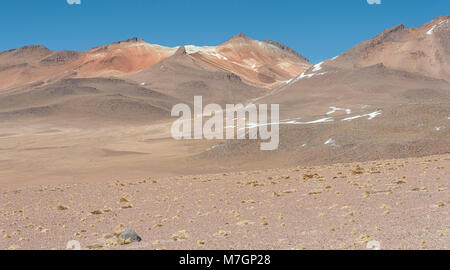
(401, 204)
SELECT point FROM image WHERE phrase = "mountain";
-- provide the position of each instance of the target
(388, 97)
(33, 64)
(105, 113)
(423, 50)
(185, 75)
(383, 70)
(261, 64)
(264, 64)
(38, 82)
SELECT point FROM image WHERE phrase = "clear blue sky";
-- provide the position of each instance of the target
(318, 29)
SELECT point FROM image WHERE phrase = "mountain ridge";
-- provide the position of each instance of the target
(32, 63)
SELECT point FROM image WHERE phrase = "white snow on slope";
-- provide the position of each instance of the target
(317, 67)
(335, 109)
(431, 31)
(191, 49)
(369, 116)
(330, 141)
(303, 75)
(323, 120)
(289, 81)
(285, 122)
(294, 121)
(373, 115)
(352, 118)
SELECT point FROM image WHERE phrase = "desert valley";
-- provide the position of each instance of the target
(86, 149)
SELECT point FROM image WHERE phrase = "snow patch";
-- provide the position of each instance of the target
(369, 116)
(284, 122)
(323, 120)
(335, 109)
(295, 122)
(373, 115)
(317, 67)
(303, 75)
(431, 31)
(191, 49)
(352, 118)
(289, 81)
(331, 142)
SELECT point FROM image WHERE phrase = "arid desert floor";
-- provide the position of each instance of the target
(401, 203)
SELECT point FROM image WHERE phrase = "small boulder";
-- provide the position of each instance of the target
(129, 236)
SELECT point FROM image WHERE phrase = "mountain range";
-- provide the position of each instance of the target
(105, 112)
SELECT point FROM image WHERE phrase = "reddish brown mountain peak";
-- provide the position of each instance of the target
(286, 49)
(32, 49)
(26, 53)
(131, 40)
(439, 22)
(441, 18)
(28, 50)
(387, 35)
(393, 30)
(107, 46)
(240, 36)
(423, 50)
(396, 28)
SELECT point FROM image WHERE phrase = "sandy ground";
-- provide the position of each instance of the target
(45, 154)
(403, 204)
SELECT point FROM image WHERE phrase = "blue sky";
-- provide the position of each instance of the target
(318, 29)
